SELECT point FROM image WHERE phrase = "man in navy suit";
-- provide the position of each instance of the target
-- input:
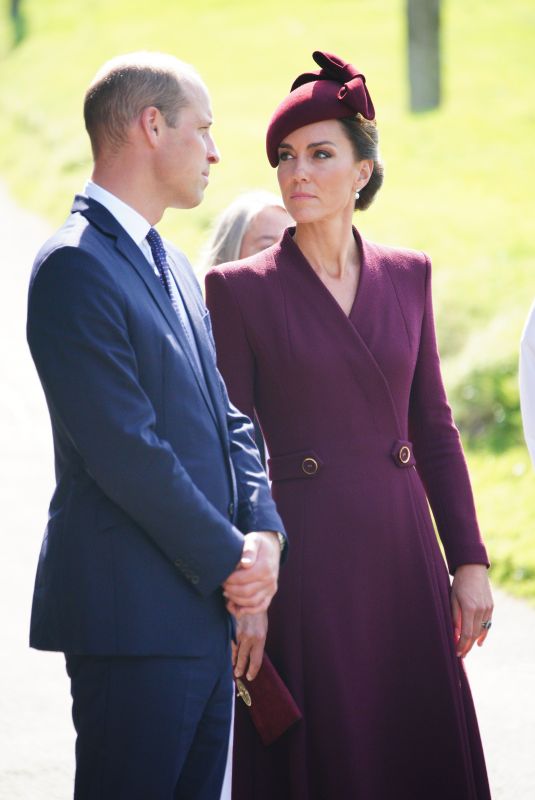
(161, 521)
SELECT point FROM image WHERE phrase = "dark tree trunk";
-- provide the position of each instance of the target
(423, 24)
(17, 21)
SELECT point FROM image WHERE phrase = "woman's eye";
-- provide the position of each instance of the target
(284, 155)
(322, 154)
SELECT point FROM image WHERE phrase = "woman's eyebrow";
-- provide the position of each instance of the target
(318, 144)
(312, 144)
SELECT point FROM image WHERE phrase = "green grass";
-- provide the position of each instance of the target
(459, 180)
(503, 487)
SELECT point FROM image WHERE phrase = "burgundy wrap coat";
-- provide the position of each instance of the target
(360, 437)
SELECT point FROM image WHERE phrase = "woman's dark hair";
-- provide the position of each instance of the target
(364, 137)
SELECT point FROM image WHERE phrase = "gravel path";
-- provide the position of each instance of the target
(36, 736)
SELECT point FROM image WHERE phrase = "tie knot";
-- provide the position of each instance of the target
(155, 240)
(157, 249)
(154, 237)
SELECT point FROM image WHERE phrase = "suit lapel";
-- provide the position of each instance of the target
(106, 222)
(197, 315)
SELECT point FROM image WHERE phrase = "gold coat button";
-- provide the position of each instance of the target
(309, 466)
(404, 454)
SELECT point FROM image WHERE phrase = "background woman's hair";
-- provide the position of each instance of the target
(364, 137)
(230, 226)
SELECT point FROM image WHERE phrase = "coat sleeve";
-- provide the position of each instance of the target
(438, 451)
(78, 335)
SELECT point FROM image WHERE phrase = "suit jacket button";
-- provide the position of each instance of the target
(194, 579)
(231, 509)
(178, 563)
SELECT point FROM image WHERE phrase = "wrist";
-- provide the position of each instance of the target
(277, 537)
(471, 567)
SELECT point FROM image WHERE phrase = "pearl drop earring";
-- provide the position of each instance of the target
(357, 195)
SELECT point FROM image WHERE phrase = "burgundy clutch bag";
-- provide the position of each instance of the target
(273, 709)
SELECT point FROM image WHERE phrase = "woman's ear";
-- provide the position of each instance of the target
(364, 173)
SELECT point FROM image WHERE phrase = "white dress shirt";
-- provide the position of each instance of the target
(137, 228)
(527, 382)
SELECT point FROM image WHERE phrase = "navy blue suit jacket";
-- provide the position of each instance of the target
(157, 474)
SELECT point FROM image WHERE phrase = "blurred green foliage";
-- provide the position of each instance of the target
(458, 180)
(486, 407)
(482, 377)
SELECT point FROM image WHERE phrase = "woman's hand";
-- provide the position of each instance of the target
(251, 632)
(471, 606)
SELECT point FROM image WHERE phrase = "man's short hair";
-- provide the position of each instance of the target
(125, 86)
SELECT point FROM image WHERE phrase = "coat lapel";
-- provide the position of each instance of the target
(351, 344)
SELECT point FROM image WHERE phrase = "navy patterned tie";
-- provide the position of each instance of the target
(160, 259)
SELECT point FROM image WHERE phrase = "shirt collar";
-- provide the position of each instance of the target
(134, 224)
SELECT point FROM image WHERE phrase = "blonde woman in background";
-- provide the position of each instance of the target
(253, 221)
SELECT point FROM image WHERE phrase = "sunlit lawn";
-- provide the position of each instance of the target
(459, 181)
(504, 488)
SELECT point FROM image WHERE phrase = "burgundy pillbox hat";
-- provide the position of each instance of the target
(335, 91)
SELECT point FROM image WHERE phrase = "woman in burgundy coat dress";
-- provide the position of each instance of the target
(330, 340)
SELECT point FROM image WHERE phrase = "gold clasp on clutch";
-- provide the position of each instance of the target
(243, 693)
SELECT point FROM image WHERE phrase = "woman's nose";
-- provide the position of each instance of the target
(300, 170)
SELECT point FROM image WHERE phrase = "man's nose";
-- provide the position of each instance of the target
(213, 152)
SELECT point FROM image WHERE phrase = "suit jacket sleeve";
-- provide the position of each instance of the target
(78, 335)
(235, 357)
(256, 508)
(438, 451)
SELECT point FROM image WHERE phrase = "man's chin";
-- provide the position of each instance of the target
(191, 202)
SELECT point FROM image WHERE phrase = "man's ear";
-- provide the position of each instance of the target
(151, 121)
